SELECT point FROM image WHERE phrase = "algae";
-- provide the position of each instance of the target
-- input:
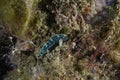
(91, 53)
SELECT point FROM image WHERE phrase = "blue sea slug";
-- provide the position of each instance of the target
(52, 43)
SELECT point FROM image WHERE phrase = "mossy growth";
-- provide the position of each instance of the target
(19, 15)
(12, 14)
(6, 12)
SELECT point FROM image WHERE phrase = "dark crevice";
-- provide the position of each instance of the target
(6, 47)
(47, 7)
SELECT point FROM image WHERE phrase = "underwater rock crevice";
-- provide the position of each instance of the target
(6, 47)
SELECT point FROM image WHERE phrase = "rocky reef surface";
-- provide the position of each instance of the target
(91, 51)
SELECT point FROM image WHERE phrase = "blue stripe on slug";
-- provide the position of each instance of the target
(52, 42)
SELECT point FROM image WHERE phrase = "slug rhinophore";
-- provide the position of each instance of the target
(52, 43)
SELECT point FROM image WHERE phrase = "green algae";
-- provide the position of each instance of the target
(13, 14)
(31, 14)
(18, 15)
(6, 12)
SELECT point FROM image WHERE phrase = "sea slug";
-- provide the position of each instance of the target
(52, 43)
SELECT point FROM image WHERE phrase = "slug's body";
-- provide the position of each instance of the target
(52, 43)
